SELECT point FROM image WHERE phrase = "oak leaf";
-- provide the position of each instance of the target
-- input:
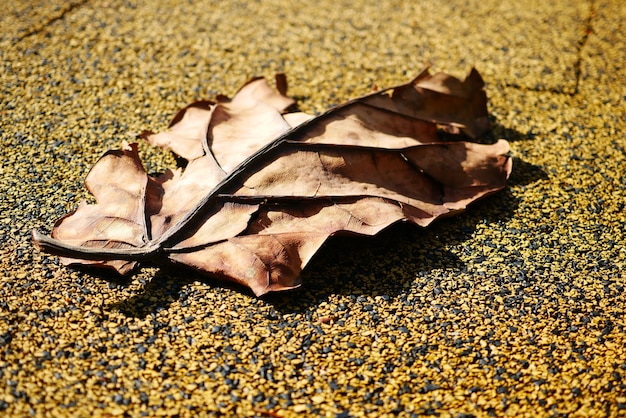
(264, 187)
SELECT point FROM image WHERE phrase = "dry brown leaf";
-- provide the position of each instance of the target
(265, 188)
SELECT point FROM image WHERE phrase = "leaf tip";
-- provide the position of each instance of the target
(37, 238)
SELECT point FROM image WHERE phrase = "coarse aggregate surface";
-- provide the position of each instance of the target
(513, 308)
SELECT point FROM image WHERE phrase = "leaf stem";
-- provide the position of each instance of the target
(62, 249)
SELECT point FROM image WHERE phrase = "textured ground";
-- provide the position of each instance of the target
(515, 307)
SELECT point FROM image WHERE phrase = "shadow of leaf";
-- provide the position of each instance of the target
(159, 293)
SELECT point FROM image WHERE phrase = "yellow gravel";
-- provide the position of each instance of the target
(514, 308)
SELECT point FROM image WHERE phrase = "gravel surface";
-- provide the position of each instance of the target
(515, 307)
